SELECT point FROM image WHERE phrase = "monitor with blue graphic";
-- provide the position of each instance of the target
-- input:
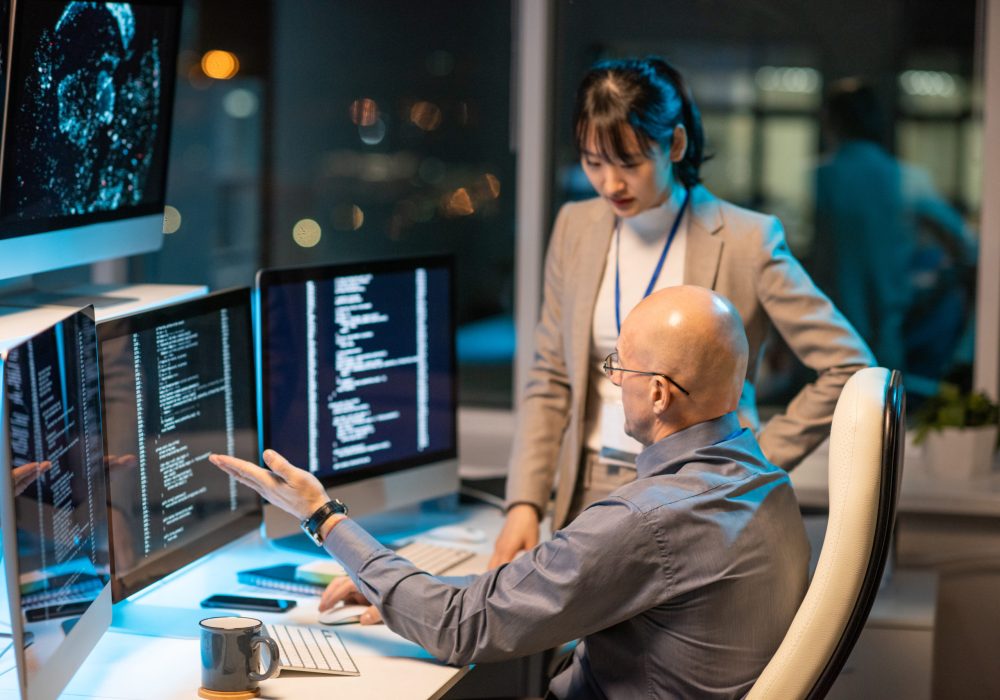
(86, 136)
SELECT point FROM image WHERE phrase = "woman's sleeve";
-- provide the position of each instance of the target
(542, 416)
(820, 337)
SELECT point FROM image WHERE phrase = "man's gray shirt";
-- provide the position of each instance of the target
(680, 584)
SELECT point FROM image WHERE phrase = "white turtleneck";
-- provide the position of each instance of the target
(640, 243)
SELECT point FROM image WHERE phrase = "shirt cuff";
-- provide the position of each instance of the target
(351, 545)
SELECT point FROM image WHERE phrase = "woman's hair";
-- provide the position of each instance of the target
(649, 96)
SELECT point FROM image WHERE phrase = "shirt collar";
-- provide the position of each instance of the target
(674, 451)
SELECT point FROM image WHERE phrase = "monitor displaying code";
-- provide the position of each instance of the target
(57, 466)
(358, 366)
(179, 385)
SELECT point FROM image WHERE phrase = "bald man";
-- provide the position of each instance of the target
(680, 584)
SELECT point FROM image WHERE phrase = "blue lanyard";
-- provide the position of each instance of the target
(659, 264)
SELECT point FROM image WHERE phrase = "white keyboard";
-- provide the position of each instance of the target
(433, 558)
(311, 649)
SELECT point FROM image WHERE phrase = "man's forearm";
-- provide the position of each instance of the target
(485, 619)
(560, 590)
(378, 573)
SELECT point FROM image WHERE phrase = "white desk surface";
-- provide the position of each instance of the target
(126, 666)
(920, 492)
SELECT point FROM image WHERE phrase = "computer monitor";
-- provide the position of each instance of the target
(53, 504)
(178, 385)
(357, 379)
(83, 163)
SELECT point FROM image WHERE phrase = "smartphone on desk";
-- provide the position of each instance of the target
(246, 602)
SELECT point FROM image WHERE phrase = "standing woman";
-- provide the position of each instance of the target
(653, 225)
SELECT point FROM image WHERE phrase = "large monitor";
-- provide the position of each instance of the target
(178, 386)
(86, 130)
(53, 504)
(358, 379)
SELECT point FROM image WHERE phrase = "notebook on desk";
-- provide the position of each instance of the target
(280, 577)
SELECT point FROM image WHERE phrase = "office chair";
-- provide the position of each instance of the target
(866, 454)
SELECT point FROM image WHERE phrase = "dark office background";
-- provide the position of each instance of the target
(356, 130)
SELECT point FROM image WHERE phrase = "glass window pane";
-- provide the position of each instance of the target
(788, 159)
(393, 136)
(215, 178)
(972, 174)
(934, 146)
(729, 174)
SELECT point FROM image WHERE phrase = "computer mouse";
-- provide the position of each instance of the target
(342, 615)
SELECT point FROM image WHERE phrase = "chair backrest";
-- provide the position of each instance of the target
(866, 454)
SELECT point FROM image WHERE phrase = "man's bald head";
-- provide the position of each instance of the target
(696, 336)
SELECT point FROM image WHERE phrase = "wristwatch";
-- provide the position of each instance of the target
(314, 522)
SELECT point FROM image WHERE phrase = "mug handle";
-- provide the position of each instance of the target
(272, 665)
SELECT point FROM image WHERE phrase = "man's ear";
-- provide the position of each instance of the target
(679, 144)
(659, 395)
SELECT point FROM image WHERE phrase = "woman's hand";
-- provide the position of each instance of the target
(294, 490)
(519, 533)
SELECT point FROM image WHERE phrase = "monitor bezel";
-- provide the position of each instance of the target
(125, 585)
(50, 679)
(14, 229)
(268, 277)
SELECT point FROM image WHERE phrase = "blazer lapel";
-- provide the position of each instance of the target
(589, 273)
(704, 245)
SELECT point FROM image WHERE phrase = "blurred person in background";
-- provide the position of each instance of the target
(893, 255)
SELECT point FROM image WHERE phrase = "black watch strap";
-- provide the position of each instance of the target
(314, 522)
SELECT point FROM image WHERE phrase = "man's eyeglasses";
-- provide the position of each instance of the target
(612, 370)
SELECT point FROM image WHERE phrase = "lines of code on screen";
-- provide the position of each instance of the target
(176, 393)
(57, 463)
(359, 369)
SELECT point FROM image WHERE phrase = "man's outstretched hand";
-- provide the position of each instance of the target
(294, 490)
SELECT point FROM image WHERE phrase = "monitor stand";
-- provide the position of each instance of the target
(391, 527)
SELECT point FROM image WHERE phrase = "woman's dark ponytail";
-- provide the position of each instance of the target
(689, 168)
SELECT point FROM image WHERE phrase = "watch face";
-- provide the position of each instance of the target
(314, 536)
(314, 522)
